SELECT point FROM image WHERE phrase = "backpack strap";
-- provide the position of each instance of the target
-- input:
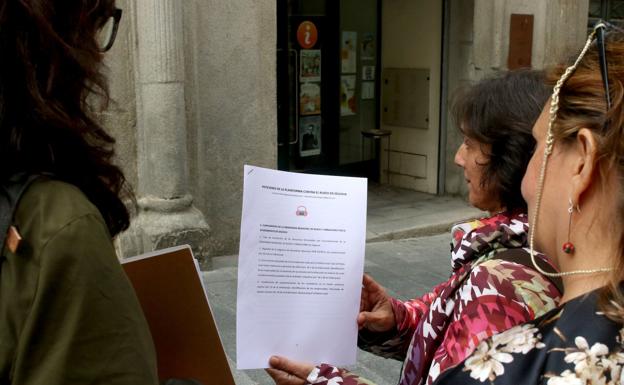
(522, 257)
(10, 193)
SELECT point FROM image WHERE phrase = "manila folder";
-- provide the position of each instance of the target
(169, 287)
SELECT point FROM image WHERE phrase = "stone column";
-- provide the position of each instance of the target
(565, 29)
(488, 35)
(166, 215)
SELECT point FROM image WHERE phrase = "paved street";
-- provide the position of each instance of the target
(395, 213)
(406, 267)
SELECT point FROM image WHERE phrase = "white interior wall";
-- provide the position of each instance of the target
(411, 38)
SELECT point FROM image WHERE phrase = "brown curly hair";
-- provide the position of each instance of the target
(500, 111)
(51, 63)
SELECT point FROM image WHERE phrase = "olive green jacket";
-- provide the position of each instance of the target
(68, 314)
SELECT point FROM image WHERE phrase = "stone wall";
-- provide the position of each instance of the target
(460, 73)
(234, 102)
(120, 118)
(221, 116)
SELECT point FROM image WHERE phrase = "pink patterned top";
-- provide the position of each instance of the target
(483, 296)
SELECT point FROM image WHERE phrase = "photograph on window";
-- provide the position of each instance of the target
(310, 70)
(310, 99)
(349, 52)
(310, 140)
(347, 95)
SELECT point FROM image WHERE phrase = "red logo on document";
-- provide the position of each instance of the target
(301, 211)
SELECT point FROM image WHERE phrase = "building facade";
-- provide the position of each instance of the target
(349, 87)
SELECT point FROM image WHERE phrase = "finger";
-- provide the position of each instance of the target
(298, 369)
(361, 320)
(364, 320)
(365, 293)
(283, 378)
(374, 321)
(369, 283)
(364, 305)
(367, 317)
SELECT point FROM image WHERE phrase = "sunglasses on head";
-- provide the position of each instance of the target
(600, 29)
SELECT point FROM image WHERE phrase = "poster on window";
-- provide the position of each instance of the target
(368, 72)
(310, 136)
(369, 46)
(368, 90)
(310, 99)
(348, 52)
(347, 95)
(310, 68)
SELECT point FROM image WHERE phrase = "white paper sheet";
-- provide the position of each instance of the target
(300, 267)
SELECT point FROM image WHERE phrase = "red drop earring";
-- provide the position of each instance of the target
(568, 247)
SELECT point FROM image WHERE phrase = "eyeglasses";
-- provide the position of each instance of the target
(108, 32)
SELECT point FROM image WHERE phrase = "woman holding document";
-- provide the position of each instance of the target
(493, 285)
(68, 314)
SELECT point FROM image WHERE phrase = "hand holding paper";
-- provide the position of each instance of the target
(300, 267)
(376, 312)
(288, 372)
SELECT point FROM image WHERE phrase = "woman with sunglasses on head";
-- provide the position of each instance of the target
(493, 285)
(68, 314)
(574, 190)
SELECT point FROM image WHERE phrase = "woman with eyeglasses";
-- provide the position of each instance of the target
(68, 314)
(574, 189)
(493, 285)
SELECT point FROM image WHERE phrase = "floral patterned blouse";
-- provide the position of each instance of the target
(571, 345)
(483, 296)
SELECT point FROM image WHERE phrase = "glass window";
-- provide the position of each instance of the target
(616, 10)
(609, 10)
(595, 9)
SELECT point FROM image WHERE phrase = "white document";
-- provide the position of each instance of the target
(300, 267)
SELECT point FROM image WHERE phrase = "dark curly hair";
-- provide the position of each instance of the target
(500, 112)
(50, 64)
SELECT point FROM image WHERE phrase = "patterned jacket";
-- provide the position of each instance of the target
(573, 344)
(483, 296)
